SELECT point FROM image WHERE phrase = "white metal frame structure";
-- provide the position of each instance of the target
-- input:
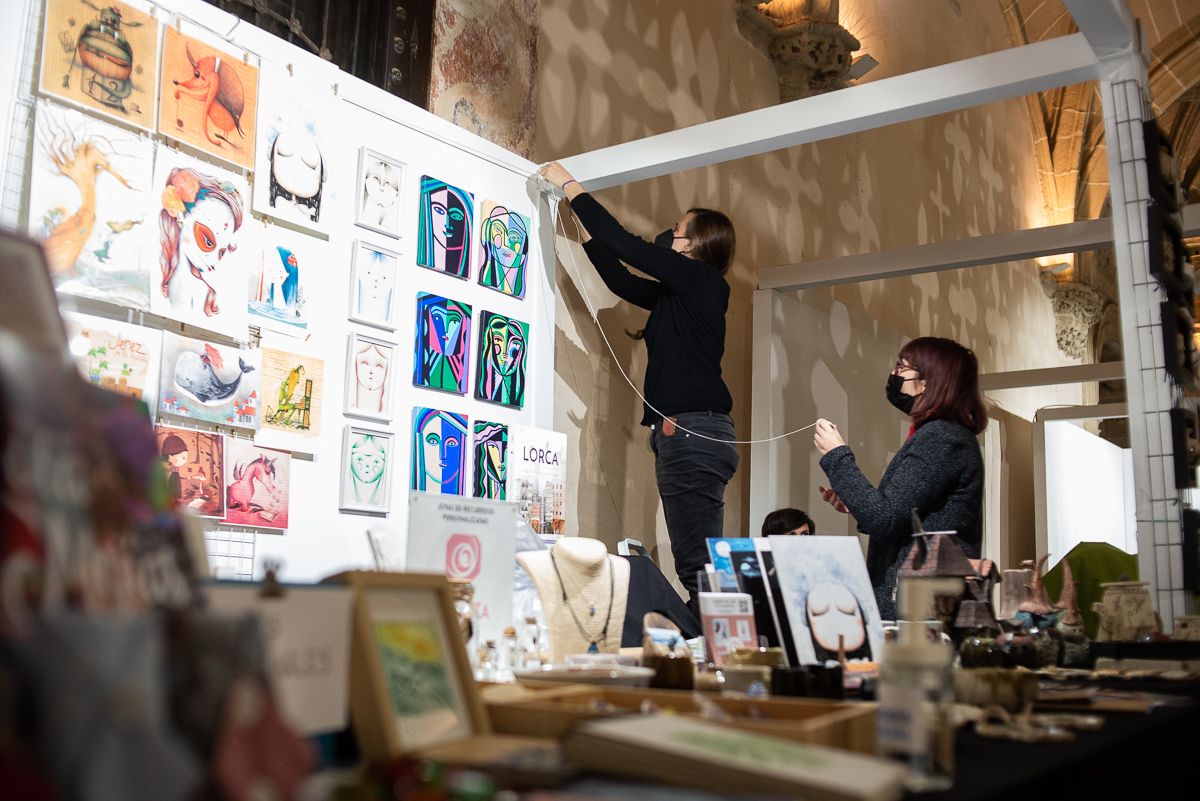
(1108, 48)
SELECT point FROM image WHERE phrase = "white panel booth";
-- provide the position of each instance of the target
(320, 539)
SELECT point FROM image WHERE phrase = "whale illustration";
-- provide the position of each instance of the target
(196, 376)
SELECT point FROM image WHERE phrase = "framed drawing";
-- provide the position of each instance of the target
(281, 280)
(411, 686)
(292, 157)
(366, 478)
(293, 386)
(102, 57)
(439, 451)
(445, 225)
(207, 244)
(370, 366)
(194, 462)
(88, 183)
(377, 205)
(120, 357)
(500, 370)
(373, 276)
(257, 485)
(209, 382)
(828, 594)
(490, 460)
(441, 356)
(503, 249)
(208, 99)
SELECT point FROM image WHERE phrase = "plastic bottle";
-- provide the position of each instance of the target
(916, 691)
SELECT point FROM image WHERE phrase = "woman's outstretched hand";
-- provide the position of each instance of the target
(831, 497)
(557, 174)
(827, 437)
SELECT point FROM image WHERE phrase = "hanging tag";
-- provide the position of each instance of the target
(668, 426)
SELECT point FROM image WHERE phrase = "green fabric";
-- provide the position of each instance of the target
(1093, 564)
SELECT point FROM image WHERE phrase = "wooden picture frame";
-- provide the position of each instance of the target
(399, 606)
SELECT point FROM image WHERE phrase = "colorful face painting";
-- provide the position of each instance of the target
(440, 360)
(87, 188)
(279, 282)
(369, 377)
(213, 383)
(293, 385)
(292, 161)
(439, 451)
(379, 180)
(208, 98)
(257, 485)
(490, 461)
(503, 249)
(373, 285)
(503, 344)
(444, 228)
(120, 357)
(195, 467)
(366, 481)
(207, 245)
(102, 57)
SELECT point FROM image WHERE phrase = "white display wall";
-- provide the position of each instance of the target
(320, 539)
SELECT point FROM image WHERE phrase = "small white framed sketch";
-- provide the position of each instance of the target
(377, 200)
(371, 366)
(365, 479)
(374, 273)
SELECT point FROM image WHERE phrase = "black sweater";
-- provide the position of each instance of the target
(938, 472)
(685, 335)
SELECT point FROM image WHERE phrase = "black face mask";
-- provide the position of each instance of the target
(896, 396)
(665, 239)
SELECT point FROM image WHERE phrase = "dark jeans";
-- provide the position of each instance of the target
(692, 473)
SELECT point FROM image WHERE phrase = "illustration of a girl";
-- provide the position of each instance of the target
(198, 227)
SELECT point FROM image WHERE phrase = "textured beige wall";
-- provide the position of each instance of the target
(484, 52)
(615, 71)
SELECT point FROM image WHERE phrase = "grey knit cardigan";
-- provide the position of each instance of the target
(938, 472)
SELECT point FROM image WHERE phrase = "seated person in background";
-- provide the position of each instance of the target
(788, 521)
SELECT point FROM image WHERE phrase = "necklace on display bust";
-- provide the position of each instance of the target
(593, 642)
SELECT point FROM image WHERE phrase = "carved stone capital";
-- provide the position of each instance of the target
(1077, 308)
(812, 53)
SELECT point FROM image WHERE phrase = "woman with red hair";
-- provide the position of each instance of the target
(938, 472)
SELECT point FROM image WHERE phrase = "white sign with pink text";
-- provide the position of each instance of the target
(468, 539)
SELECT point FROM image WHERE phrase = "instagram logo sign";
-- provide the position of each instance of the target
(463, 554)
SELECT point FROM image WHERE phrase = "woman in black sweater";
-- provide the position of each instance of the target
(938, 471)
(687, 403)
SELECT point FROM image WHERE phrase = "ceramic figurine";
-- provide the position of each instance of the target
(1075, 644)
(1126, 611)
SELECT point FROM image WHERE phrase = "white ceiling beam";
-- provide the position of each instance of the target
(1053, 376)
(915, 95)
(1029, 243)
(952, 255)
(1108, 25)
(1101, 411)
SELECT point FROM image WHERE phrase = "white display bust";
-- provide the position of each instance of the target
(588, 571)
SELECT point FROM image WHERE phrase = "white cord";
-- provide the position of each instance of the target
(587, 299)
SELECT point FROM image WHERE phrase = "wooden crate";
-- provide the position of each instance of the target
(554, 713)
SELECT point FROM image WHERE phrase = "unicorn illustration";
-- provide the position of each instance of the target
(240, 495)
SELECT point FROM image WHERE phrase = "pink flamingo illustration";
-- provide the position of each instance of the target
(240, 494)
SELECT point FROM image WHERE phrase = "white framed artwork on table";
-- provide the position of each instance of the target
(365, 479)
(374, 274)
(371, 366)
(377, 200)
